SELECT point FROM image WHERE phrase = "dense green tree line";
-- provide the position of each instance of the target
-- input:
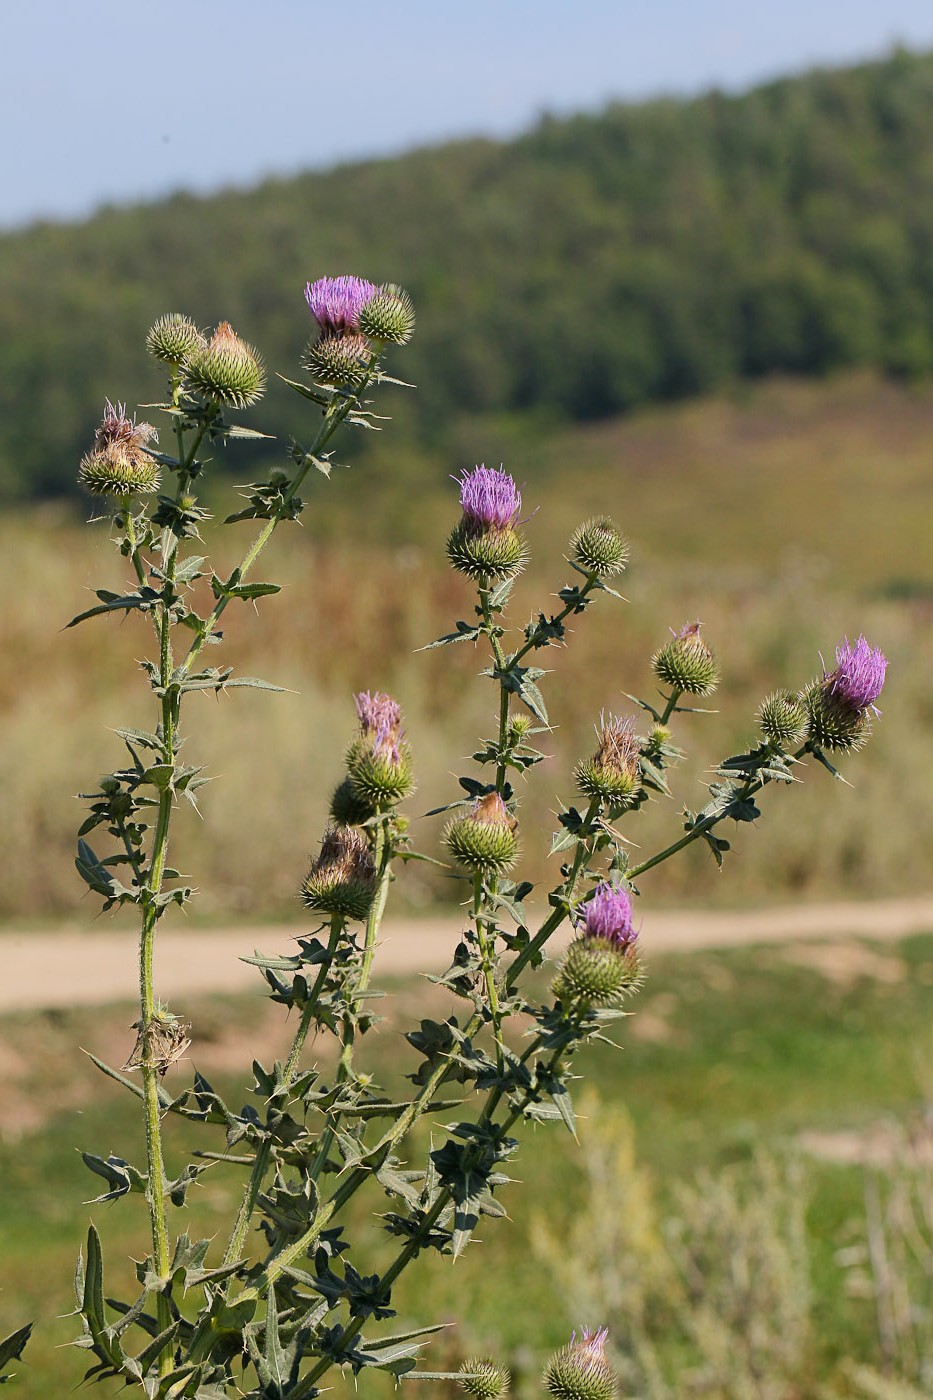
(647, 252)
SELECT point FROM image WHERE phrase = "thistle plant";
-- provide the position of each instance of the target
(288, 1295)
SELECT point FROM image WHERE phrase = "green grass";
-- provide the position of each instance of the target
(757, 1050)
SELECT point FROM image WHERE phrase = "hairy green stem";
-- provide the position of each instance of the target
(592, 581)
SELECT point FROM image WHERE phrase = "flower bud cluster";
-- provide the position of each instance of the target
(342, 880)
(602, 963)
(580, 1371)
(612, 774)
(355, 320)
(485, 839)
(834, 711)
(484, 545)
(686, 663)
(118, 463)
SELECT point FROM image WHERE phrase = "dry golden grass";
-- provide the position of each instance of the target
(785, 520)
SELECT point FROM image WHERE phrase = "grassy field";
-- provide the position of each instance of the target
(729, 1052)
(783, 519)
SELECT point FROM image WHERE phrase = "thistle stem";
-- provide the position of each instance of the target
(261, 1159)
(332, 420)
(752, 786)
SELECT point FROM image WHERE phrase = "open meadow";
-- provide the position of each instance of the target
(726, 523)
(768, 1087)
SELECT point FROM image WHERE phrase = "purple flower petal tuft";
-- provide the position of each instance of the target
(336, 302)
(859, 674)
(608, 915)
(489, 497)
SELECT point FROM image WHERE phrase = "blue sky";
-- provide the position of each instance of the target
(113, 100)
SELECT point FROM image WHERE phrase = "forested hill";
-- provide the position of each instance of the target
(646, 252)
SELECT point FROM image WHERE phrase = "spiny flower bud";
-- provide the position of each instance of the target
(484, 544)
(480, 1377)
(379, 760)
(118, 464)
(611, 775)
(599, 548)
(389, 316)
(338, 359)
(782, 719)
(686, 663)
(336, 302)
(227, 369)
(601, 965)
(347, 807)
(174, 339)
(484, 840)
(580, 1371)
(832, 723)
(342, 880)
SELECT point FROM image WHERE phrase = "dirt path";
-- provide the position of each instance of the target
(94, 966)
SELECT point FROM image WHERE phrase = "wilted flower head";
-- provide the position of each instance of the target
(489, 498)
(342, 880)
(336, 302)
(118, 463)
(608, 915)
(115, 427)
(859, 673)
(612, 774)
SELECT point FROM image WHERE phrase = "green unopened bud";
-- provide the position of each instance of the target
(338, 359)
(686, 663)
(342, 880)
(174, 339)
(226, 369)
(782, 719)
(486, 554)
(832, 721)
(580, 1371)
(598, 972)
(485, 840)
(483, 1379)
(389, 316)
(519, 726)
(346, 806)
(657, 741)
(599, 548)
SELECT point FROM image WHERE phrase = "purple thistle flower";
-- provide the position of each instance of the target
(608, 915)
(859, 674)
(336, 302)
(489, 498)
(378, 713)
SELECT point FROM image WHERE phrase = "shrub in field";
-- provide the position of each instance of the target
(288, 1295)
